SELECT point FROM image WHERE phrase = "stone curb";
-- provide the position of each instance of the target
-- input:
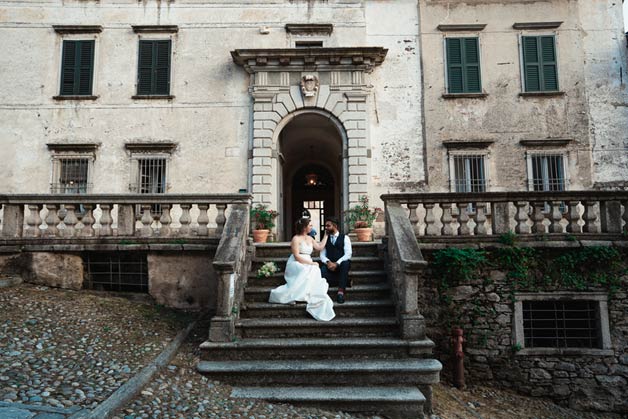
(131, 388)
(38, 408)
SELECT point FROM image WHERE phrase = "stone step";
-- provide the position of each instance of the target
(407, 371)
(357, 277)
(356, 292)
(351, 308)
(358, 263)
(316, 348)
(308, 327)
(392, 401)
(282, 249)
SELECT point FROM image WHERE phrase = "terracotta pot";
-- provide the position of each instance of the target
(364, 234)
(260, 236)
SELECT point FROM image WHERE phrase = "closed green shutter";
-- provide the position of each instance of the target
(463, 65)
(154, 68)
(539, 63)
(77, 68)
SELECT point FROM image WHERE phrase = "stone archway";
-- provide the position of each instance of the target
(288, 82)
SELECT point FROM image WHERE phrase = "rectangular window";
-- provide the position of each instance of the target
(548, 173)
(70, 175)
(153, 76)
(539, 63)
(151, 179)
(77, 68)
(469, 173)
(463, 65)
(561, 324)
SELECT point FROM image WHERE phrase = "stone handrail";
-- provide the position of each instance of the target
(404, 263)
(65, 216)
(231, 265)
(524, 213)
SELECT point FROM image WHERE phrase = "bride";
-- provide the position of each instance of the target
(303, 276)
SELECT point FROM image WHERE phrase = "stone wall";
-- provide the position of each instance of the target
(595, 380)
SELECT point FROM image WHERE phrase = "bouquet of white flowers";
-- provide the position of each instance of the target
(267, 270)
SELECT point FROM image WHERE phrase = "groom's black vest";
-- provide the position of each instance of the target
(335, 251)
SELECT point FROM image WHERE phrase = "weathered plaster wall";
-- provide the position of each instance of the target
(606, 78)
(503, 116)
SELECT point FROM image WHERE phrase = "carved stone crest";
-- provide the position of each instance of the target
(309, 85)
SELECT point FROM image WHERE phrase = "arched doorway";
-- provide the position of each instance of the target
(311, 169)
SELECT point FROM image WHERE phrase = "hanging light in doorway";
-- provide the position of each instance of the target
(311, 179)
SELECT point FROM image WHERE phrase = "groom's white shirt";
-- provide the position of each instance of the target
(346, 256)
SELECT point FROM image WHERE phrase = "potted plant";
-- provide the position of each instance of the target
(360, 219)
(263, 220)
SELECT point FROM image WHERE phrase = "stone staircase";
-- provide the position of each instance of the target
(356, 362)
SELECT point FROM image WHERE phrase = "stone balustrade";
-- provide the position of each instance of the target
(59, 216)
(524, 213)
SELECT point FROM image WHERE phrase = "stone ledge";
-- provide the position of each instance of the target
(565, 351)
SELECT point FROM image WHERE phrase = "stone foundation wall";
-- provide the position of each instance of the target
(483, 307)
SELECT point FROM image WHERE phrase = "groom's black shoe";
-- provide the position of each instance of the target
(340, 298)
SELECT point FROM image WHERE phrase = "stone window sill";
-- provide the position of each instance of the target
(565, 351)
(541, 94)
(153, 97)
(464, 95)
(75, 97)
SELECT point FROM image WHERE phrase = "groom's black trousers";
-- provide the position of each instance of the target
(339, 277)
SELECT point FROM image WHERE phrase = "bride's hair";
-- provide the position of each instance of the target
(301, 225)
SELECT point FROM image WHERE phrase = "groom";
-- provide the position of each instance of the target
(336, 258)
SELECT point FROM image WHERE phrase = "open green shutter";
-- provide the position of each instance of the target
(162, 68)
(472, 66)
(548, 54)
(68, 60)
(531, 64)
(454, 65)
(85, 68)
(145, 68)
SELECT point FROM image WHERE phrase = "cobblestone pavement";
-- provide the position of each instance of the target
(64, 348)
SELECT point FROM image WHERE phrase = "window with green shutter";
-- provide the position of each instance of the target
(153, 76)
(77, 68)
(463, 65)
(539, 63)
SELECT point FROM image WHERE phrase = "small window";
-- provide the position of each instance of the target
(71, 175)
(463, 65)
(539, 63)
(150, 179)
(122, 271)
(547, 172)
(77, 68)
(154, 68)
(469, 173)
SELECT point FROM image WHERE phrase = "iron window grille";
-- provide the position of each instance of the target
(125, 272)
(546, 173)
(150, 179)
(469, 173)
(71, 175)
(561, 324)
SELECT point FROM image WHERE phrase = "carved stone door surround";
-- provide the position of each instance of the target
(328, 81)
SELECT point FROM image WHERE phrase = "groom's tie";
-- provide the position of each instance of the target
(333, 240)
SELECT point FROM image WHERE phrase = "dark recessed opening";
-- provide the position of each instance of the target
(116, 271)
(561, 324)
(309, 44)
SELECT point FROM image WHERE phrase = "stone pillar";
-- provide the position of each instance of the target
(610, 216)
(358, 152)
(13, 223)
(126, 220)
(502, 215)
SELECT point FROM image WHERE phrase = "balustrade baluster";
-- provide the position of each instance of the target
(165, 221)
(538, 217)
(430, 220)
(52, 221)
(33, 221)
(414, 217)
(446, 219)
(556, 217)
(220, 218)
(88, 221)
(185, 220)
(480, 219)
(106, 220)
(573, 217)
(625, 215)
(590, 217)
(463, 218)
(70, 220)
(147, 221)
(521, 217)
(203, 220)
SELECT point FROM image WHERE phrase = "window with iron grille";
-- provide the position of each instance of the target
(561, 324)
(123, 271)
(539, 63)
(150, 179)
(463, 65)
(71, 175)
(547, 172)
(153, 75)
(469, 173)
(77, 68)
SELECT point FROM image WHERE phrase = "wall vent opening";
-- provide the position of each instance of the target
(116, 271)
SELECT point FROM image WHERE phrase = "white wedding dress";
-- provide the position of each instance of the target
(305, 283)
